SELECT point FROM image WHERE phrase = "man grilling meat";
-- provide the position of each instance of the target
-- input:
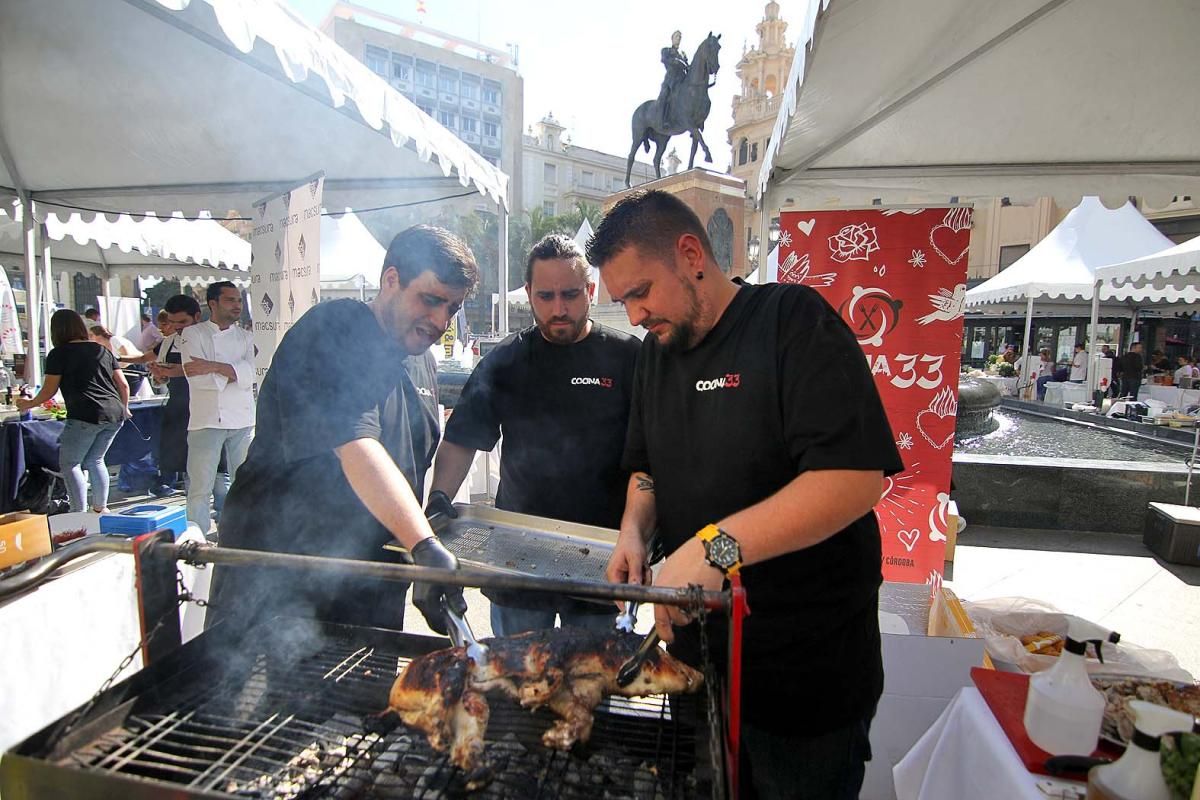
(757, 444)
(344, 440)
(559, 392)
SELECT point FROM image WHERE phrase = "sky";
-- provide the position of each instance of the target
(593, 63)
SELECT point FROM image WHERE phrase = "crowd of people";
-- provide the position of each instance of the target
(1128, 370)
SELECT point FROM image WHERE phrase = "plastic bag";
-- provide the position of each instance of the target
(1003, 620)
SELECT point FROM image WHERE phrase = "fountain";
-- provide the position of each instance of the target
(976, 401)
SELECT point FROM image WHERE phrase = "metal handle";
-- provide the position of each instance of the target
(462, 635)
(630, 668)
(628, 619)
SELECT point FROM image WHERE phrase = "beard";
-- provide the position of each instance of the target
(561, 334)
(682, 334)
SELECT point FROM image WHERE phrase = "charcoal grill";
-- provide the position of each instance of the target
(291, 709)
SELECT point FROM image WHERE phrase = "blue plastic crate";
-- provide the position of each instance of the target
(145, 519)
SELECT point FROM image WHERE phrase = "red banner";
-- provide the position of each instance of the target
(898, 278)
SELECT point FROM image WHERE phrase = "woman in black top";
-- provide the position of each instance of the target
(97, 399)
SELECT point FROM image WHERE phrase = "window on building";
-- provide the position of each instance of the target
(427, 109)
(491, 95)
(491, 129)
(448, 119)
(469, 91)
(549, 171)
(1010, 254)
(548, 207)
(754, 152)
(470, 125)
(426, 79)
(448, 83)
(743, 151)
(378, 60)
(588, 179)
(400, 69)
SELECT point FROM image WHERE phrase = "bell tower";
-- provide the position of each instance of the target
(763, 70)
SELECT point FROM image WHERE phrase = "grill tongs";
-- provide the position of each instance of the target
(462, 635)
(629, 670)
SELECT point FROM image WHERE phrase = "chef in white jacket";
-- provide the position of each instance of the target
(1079, 365)
(218, 360)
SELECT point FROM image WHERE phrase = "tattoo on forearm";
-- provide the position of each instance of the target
(645, 483)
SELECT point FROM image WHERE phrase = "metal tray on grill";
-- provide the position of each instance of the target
(291, 709)
(503, 541)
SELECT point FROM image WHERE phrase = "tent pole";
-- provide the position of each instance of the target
(47, 285)
(33, 359)
(1027, 344)
(1093, 347)
(502, 262)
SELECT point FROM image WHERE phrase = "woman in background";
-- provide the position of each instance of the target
(127, 354)
(97, 399)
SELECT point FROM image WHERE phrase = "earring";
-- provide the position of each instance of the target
(699, 276)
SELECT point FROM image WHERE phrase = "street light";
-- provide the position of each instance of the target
(752, 251)
(774, 231)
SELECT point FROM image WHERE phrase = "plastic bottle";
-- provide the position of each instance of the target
(1137, 775)
(1063, 711)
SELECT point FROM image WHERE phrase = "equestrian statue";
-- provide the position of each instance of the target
(682, 104)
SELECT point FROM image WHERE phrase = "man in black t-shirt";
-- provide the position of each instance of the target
(559, 393)
(344, 439)
(757, 445)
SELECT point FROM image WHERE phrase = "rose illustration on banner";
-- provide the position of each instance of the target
(947, 305)
(936, 423)
(853, 243)
(945, 238)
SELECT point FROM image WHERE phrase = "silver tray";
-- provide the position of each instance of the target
(521, 544)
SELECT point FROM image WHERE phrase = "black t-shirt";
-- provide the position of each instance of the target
(336, 377)
(88, 389)
(777, 388)
(563, 411)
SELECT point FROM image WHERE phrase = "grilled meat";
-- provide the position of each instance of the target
(567, 670)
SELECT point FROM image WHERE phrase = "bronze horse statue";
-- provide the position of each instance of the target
(688, 108)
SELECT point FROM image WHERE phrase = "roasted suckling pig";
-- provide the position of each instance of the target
(567, 670)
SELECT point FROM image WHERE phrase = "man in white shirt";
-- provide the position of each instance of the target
(1079, 365)
(218, 360)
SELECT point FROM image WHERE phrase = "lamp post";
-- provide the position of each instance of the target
(752, 253)
(773, 235)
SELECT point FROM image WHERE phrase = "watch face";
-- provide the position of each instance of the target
(723, 551)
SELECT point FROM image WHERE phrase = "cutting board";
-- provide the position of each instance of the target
(1005, 694)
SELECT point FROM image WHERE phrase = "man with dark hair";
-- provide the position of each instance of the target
(338, 462)
(559, 393)
(1131, 368)
(218, 361)
(180, 312)
(757, 445)
(91, 315)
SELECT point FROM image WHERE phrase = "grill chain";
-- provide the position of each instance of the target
(184, 596)
(715, 735)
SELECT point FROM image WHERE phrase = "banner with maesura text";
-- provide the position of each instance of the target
(898, 277)
(285, 265)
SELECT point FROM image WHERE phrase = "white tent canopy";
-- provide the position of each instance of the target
(200, 106)
(1064, 263)
(927, 100)
(125, 246)
(348, 249)
(1172, 274)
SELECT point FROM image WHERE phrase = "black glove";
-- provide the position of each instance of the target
(427, 597)
(440, 503)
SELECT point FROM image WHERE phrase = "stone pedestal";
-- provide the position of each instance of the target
(720, 202)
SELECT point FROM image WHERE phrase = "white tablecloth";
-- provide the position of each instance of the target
(1173, 396)
(1007, 386)
(966, 754)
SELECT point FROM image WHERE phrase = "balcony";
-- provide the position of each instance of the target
(447, 99)
(492, 142)
(491, 109)
(469, 137)
(469, 105)
(755, 109)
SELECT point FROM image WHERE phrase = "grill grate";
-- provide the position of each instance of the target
(532, 552)
(299, 719)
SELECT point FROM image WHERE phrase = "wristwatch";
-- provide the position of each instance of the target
(720, 549)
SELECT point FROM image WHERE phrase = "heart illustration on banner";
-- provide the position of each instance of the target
(944, 240)
(806, 226)
(936, 423)
(908, 538)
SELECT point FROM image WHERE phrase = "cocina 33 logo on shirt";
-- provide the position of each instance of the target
(731, 380)
(604, 383)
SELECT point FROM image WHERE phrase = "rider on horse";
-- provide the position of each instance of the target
(676, 63)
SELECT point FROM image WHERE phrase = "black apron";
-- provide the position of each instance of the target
(172, 454)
